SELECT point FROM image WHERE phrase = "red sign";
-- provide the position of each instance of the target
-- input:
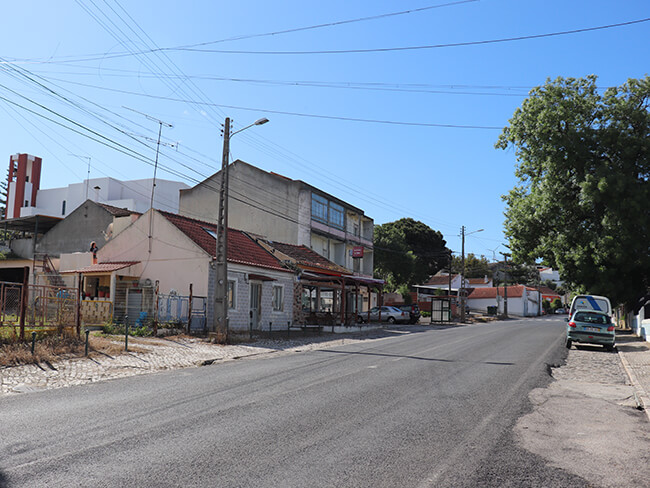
(357, 252)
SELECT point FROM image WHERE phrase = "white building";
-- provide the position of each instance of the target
(134, 195)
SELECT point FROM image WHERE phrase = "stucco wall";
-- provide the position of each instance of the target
(174, 261)
(259, 202)
(77, 231)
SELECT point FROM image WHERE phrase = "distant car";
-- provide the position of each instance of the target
(560, 311)
(389, 314)
(591, 327)
(413, 310)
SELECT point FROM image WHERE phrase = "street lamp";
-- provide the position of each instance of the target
(462, 276)
(220, 314)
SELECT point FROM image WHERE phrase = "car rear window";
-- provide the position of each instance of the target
(592, 318)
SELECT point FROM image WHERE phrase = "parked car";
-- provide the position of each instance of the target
(560, 311)
(590, 302)
(389, 314)
(591, 327)
(413, 310)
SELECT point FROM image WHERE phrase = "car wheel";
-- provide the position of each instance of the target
(391, 320)
(568, 343)
(609, 348)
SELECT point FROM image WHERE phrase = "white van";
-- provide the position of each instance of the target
(590, 302)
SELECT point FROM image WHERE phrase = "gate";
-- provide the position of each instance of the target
(440, 310)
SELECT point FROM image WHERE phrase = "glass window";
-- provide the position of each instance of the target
(231, 294)
(337, 215)
(278, 302)
(63, 208)
(318, 208)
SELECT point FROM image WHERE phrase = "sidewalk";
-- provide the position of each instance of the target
(635, 356)
(150, 355)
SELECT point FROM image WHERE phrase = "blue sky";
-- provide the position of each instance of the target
(444, 176)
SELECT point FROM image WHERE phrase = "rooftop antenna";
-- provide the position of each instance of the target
(155, 167)
(87, 177)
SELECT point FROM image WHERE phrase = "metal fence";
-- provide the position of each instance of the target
(42, 306)
(175, 310)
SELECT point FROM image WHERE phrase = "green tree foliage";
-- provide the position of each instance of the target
(475, 267)
(408, 250)
(393, 260)
(581, 202)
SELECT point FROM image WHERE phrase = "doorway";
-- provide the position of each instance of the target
(256, 305)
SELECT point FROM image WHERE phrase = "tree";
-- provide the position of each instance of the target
(409, 250)
(474, 267)
(581, 202)
(393, 260)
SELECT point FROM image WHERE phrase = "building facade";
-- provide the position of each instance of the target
(25, 198)
(286, 210)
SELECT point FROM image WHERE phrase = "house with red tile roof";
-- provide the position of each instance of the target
(175, 252)
(324, 289)
(523, 301)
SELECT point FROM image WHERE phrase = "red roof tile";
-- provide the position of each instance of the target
(491, 292)
(307, 257)
(241, 248)
(116, 211)
(440, 280)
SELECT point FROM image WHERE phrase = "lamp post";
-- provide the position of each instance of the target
(462, 276)
(220, 315)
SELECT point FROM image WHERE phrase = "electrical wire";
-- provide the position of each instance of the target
(421, 47)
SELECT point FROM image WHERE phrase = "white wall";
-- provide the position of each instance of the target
(175, 261)
(134, 195)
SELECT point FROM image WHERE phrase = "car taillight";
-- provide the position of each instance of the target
(610, 328)
(572, 324)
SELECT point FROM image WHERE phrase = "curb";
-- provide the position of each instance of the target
(640, 396)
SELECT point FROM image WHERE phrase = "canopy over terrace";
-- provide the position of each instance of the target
(328, 299)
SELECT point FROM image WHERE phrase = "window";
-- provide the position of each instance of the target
(327, 212)
(337, 215)
(231, 294)
(63, 208)
(278, 302)
(318, 208)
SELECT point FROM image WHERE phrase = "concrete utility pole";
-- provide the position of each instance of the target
(505, 283)
(220, 327)
(220, 316)
(462, 290)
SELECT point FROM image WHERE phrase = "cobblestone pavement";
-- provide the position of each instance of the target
(149, 355)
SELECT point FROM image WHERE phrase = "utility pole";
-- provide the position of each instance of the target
(462, 277)
(505, 283)
(461, 292)
(220, 316)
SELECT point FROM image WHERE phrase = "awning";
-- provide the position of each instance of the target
(102, 267)
(33, 223)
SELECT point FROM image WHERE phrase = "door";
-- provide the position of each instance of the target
(256, 305)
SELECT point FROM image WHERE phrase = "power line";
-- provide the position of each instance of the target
(301, 114)
(414, 48)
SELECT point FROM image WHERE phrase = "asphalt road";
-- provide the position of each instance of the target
(432, 407)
